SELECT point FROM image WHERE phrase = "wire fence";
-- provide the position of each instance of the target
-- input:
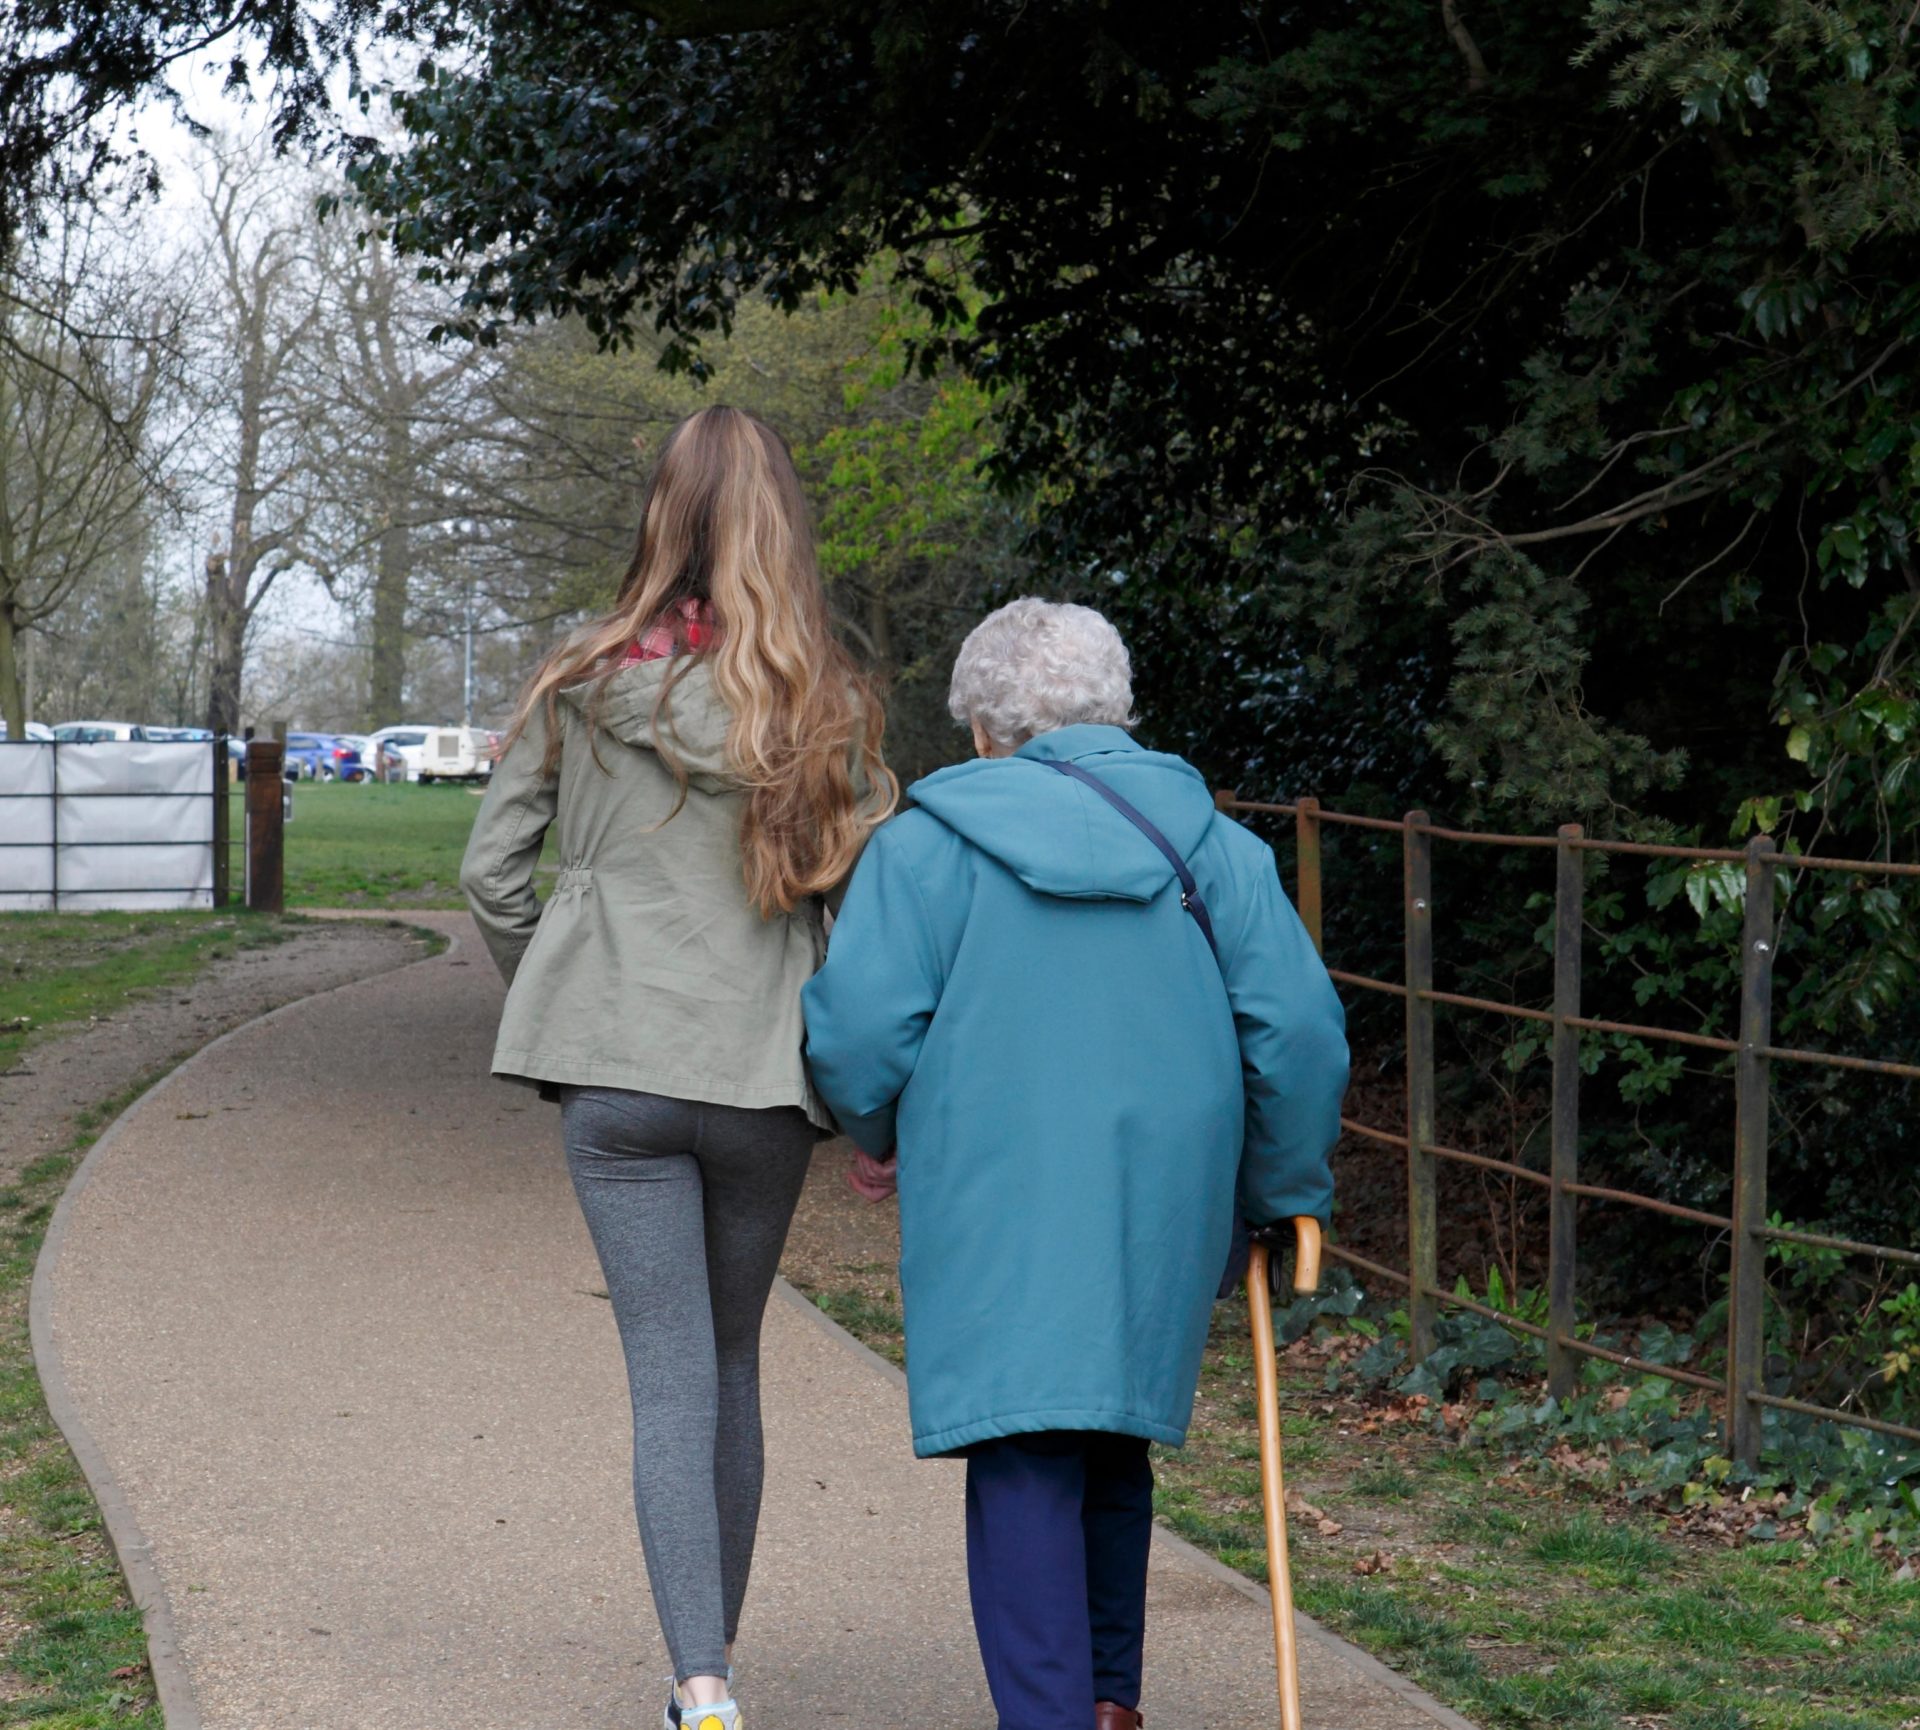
(1742, 1390)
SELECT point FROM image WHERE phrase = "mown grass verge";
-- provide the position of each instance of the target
(380, 845)
(1510, 1590)
(61, 968)
(75, 1651)
(1520, 1594)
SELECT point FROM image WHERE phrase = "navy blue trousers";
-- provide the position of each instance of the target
(1058, 1528)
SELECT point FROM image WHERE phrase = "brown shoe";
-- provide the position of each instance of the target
(1107, 1716)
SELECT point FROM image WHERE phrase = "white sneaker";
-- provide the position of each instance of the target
(681, 1716)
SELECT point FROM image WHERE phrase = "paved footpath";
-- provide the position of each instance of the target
(325, 1327)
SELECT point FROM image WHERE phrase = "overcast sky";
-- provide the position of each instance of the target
(299, 602)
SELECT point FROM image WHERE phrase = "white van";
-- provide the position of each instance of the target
(405, 742)
(456, 754)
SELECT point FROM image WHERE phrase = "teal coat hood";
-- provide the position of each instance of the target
(1080, 1092)
(1056, 834)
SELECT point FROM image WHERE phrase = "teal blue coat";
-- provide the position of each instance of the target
(1014, 998)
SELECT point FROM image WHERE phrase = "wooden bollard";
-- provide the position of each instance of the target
(266, 827)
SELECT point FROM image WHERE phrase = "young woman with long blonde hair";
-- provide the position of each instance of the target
(711, 757)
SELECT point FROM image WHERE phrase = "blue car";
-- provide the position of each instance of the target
(323, 757)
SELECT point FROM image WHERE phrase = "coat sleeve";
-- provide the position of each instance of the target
(1293, 1054)
(497, 873)
(869, 1006)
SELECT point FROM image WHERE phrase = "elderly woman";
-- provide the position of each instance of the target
(1076, 1002)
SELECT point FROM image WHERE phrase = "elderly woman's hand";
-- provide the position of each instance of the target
(872, 1179)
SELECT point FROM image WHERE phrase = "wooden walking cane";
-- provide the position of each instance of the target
(1266, 1374)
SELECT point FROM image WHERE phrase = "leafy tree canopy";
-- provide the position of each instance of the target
(71, 70)
(1511, 408)
(1558, 363)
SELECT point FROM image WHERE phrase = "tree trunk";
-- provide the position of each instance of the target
(13, 698)
(391, 574)
(227, 630)
(880, 632)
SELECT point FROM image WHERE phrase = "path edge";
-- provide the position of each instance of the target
(1311, 1632)
(179, 1706)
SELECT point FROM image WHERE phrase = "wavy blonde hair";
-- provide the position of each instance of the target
(725, 522)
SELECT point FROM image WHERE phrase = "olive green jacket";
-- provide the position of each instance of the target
(647, 967)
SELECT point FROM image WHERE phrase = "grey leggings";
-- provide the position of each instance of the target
(689, 1205)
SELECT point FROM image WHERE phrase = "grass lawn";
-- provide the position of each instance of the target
(69, 967)
(382, 845)
(72, 1649)
(1514, 1594)
(1522, 1597)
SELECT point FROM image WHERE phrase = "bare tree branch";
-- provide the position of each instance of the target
(1477, 75)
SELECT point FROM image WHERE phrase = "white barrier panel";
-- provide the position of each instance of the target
(113, 824)
(133, 766)
(142, 868)
(115, 819)
(26, 769)
(24, 821)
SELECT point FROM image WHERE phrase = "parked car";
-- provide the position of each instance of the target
(291, 767)
(456, 754)
(369, 768)
(37, 733)
(405, 742)
(342, 761)
(181, 735)
(323, 757)
(303, 756)
(92, 732)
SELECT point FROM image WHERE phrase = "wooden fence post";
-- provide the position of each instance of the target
(266, 832)
(1568, 916)
(1423, 1259)
(1746, 1327)
(1306, 842)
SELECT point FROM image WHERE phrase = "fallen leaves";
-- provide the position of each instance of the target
(1402, 1409)
(1298, 1507)
(1569, 1459)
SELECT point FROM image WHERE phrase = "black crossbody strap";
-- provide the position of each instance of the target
(1189, 890)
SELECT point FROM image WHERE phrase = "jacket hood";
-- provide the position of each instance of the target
(693, 728)
(1060, 837)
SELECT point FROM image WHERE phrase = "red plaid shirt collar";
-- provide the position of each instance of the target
(685, 628)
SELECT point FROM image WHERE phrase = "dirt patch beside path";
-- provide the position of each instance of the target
(836, 1235)
(58, 1080)
(844, 1253)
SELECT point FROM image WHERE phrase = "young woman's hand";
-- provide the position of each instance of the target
(872, 1179)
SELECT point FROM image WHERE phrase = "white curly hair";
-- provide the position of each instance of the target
(1037, 665)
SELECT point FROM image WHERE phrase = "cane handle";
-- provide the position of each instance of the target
(1306, 1254)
